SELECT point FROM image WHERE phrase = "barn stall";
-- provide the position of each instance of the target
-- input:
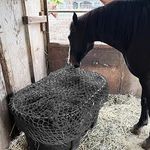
(27, 55)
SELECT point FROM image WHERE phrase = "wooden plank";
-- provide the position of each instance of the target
(44, 7)
(34, 19)
(14, 44)
(27, 37)
(36, 39)
(4, 119)
(5, 70)
(69, 11)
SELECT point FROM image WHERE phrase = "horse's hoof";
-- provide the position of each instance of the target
(146, 144)
(135, 130)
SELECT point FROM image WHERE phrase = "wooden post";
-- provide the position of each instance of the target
(4, 119)
(14, 44)
(14, 65)
(35, 37)
(46, 33)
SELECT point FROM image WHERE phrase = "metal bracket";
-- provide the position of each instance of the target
(43, 24)
(42, 19)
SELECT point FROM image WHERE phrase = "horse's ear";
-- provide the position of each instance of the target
(75, 19)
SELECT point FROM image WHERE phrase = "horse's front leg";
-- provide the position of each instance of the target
(146, 93)
(144, 115)
(146, 144)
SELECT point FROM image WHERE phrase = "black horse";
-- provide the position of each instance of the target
(125, 25)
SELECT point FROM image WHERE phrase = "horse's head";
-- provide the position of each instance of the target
(79, 40)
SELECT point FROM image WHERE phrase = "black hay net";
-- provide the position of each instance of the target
(61, 107)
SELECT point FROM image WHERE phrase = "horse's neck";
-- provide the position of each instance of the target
(107, 25)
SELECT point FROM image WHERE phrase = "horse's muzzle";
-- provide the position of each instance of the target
(74, 62)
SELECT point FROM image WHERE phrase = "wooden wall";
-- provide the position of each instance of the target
(22, 54)
(104, 60)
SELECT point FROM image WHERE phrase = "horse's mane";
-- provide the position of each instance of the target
(120, 18)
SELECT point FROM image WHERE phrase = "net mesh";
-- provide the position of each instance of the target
(61, 107)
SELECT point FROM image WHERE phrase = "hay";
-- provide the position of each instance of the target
(112, 131)
(19, 143)
(60, 107)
